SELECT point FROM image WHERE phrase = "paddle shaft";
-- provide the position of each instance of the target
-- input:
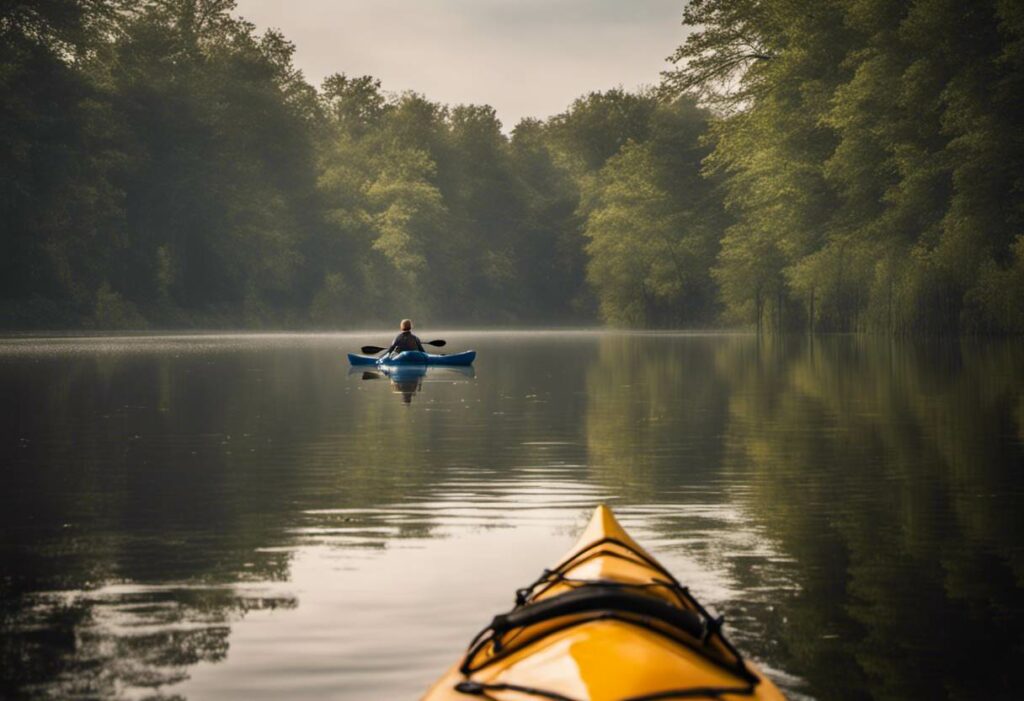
(370, 350)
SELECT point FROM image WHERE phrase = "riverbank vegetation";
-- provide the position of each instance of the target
(857, 166)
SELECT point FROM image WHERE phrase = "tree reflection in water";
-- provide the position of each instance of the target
(407, 380)
(882, 469)
(104, 641)
(852, 504)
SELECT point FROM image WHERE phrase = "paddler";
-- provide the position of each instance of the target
(405, 340)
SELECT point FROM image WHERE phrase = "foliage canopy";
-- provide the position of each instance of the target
(852, 166)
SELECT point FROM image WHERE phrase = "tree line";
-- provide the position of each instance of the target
(853, 166)
(871, 160)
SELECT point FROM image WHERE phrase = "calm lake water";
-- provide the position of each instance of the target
(242, 517)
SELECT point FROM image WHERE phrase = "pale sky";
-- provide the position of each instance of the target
(526, 58)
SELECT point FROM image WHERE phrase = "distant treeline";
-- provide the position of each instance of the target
(872, 155)
(836, 165)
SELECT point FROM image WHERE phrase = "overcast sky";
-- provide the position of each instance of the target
(526, 58)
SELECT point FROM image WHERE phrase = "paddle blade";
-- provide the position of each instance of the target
(438, 343)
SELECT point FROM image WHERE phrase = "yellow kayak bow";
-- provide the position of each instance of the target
(608, 623)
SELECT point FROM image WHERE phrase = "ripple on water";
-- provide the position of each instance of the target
(236, 516)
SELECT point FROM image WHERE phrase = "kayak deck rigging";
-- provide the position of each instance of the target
(414, 358)
(608, 623)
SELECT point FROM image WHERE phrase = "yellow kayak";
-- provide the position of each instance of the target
(608, 623)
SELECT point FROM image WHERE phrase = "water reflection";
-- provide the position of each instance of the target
(407, 380)
(891, 473)
(119, 638)
(241, 517)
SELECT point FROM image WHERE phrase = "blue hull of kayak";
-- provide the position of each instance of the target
(414, 358)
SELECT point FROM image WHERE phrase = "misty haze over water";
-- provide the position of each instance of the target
(241, 516)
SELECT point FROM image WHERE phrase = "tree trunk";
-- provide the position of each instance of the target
(888, 321)
(810, 319)
(758, 310)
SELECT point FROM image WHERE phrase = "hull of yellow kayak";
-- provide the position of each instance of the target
(608, 623)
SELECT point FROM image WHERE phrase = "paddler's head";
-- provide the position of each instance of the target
(406, 325)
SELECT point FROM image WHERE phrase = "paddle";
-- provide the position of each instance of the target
(370, 350)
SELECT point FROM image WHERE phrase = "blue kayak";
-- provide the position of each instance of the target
(414, 358)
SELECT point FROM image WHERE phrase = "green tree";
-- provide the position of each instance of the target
(868, 155)
(653, 225)
(219, 188)
(551, 255)
(58, 150)
(597, 125)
